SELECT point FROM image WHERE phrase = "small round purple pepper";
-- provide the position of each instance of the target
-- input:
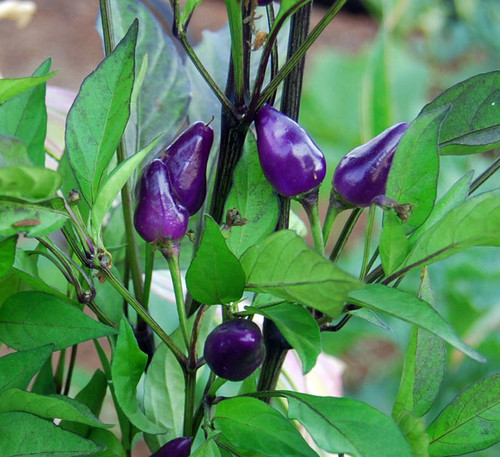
(186, 161)
(178, 447)
(234, 349)
(290, 159)
(158, 217)
(362, 174)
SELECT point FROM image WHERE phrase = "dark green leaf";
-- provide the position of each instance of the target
(7, 254)
(413, 429)
(32, 319)
(299, 329)
(25, 117)
(415, 167)
(30, 219)
(32, 184)
(471, 422)
(215, 274)
(17, 369)
(13, 152)
(410, 309)
(98, 117)
(106, 438)
(49, 407)
(254, 198)
(14, 86)
(250, 424)
(472, 125)
(127, 367)
(285, 266)
(45, 383)
(23, 434)
(343, 425)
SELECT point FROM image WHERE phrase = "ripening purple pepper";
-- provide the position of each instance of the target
(158, 217)
(361, 175)
(186, 161)
(178, 447)
(234, 349)
(290, 159)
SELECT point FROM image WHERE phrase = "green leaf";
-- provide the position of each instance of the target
(165, 92)
(250, 424)
(189, 8)
(255, 199)
(13, 152)
(469, 423)
(49, 407)
(215, 274)
(7, 254)
(472, 125)
(24, 434)
(106, 438)
(298, 327)
(287, 8)
(30, 219)
(112, 186)
(32, 184)
(17, 369)
(207, 449)
(235, 19)
(31, 319)
(393, 243)
(343, 425)
(98, 116)
(25, 117)
(285, 266)
(127, 367)
(413, 429)
(424, 367)
(415, 167)
(410, 309)
(475, 222)
(10, 87)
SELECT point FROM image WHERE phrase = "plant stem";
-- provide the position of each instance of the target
(331, 215)
(190, 383)
(310, 205)
(344, 235)
(485, 175)
(368, 237)
(59, 375)
(107, 27)
(71, 367)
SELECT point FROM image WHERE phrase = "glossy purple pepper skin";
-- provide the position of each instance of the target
(290, 159)
(178, 447)
(158, 217)
(234, 349)
(186, 160)
(361, 175)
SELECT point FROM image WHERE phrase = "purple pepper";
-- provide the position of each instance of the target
(186, 160)
(263, 2)
(361, 175)
(158, 217)
(178, 447)
(234, 349)
(290, 159)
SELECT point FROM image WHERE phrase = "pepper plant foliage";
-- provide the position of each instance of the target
(242, 259)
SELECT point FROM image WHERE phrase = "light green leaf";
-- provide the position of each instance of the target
(32, 184)
(98, 117)
(283, 265)
(127, 367)
(413, 429)
(250, 424)
(471, 422)
(411, 309)
(343, 425)
(26, 435)
(10, 87)
(215, 274)
(254, 198)
(393, 243)
(32, 319)
(13, 152)
(207, 449)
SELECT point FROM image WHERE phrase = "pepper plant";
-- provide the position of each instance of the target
(188, 158)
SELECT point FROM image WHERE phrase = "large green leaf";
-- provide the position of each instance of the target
(251, 424)
(10, 87)
(32, 319)
(25, 117)
(254, 198)
(28, 218)
(285, 266)
(49, 407)
(7, 254)
(17, 369)
(32, 184)
(22, 434)
(127, 367)
(471, 422)
(98, 117)
(473, 124)
(415, 167)
(164, 96)
(410, 309)
(343, 425)
(215, 274)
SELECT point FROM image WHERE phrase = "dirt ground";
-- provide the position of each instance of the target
(64, 30)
